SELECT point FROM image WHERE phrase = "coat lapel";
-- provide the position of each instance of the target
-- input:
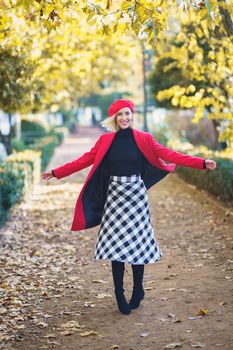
(153, 171)
(106, 143)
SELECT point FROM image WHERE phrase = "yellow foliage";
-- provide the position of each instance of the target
(204, 58)
(76, 45)
(71, 59)
(27, 157)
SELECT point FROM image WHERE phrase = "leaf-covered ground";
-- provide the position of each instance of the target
(55, 296)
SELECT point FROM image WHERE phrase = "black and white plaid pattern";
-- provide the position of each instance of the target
(126, 233)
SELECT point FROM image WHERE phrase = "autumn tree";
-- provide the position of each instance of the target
(194, 69)
(74, 45)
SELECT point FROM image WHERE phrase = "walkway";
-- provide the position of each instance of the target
(57, 297)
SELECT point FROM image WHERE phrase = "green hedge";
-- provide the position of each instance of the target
(31, 160)
(18, 145)
(46, 145)
(17, 178)
(218, 182)
(21, 171)
(11, 189)
(31, 130)
(60, 132)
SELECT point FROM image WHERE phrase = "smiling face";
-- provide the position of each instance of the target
(124, 118)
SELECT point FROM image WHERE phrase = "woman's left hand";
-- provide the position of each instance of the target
(210, 164)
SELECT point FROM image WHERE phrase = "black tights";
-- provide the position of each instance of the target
(138, 272)
(118, 269)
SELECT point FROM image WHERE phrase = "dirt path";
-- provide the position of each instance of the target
(56, 297)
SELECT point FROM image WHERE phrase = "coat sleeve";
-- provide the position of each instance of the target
(78, 164)
(176, 157)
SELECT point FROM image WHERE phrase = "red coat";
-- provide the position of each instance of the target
(92, 197)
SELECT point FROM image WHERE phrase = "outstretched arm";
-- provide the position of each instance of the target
(210, 164)
(47, 175)
(180, 158)
(76, 165)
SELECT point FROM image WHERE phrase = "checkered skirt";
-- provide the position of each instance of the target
(126, 233)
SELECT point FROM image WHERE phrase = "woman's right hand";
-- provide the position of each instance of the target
(47, 175)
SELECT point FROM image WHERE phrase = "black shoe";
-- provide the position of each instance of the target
(136, 298)
(123, 306)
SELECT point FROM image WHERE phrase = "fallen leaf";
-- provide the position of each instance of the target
(102, 296)
(115, 346)
(194, 317)
(50, 335)
(65, 333)
(145, 334)
(177, 320)
(89, 304)
(73, 278)
(171, 315)
(198, 345)
(42, 324)
(149, 282)
(53, 342)
(21, 326)
(69, 247)
(32, 253)
(227, 277)
(87, 333)
(99, 281)
(73, 325)
(3, 310)
(171, 289)
(203, 312)
(173, 345)
(164, 320)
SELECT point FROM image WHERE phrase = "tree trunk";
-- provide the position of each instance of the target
(9, 137)
(226, 20)
(219, 145)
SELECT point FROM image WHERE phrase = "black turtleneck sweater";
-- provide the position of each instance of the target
(123, 157)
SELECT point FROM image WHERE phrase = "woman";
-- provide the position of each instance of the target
(126, 163)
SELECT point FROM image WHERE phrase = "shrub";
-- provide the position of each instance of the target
(21, 171)
(11, 189)
(32, 159)
(60, 136)
(60, 133)
(31, 130)
(46, 145)
(32, 126)
(62, 129)
(18, 145)
(218, 182)
(17, 177)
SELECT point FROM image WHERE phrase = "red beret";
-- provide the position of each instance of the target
(119, 104)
